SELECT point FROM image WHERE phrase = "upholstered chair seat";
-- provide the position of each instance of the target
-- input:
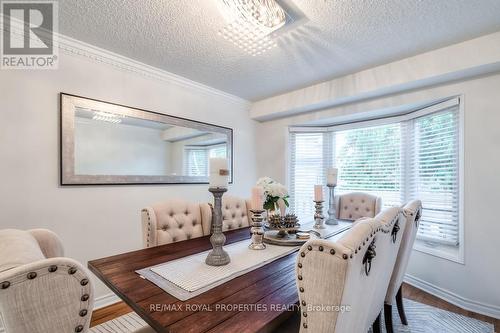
(354, 272)
(355, 205)
(235, 214)
(40, 290)
(412, 211)
(171, 221)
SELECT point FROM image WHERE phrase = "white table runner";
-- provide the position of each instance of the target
(189, 276)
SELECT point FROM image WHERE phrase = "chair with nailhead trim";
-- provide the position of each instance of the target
(40, 290)
(235, 214)
(171, 221)
(352, 272)
(412, 211)
(355, 205)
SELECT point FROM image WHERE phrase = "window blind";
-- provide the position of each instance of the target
(195, 162)
(196, 159)
(433, 175)
(415, 156)
(370, 161)
(217, 151)
(307, 169)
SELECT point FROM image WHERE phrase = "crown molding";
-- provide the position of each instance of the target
(75, 47)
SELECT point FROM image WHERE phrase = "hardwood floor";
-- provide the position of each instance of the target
(421, 296)
(110, 312)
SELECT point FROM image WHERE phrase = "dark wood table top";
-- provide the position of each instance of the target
(254, 302)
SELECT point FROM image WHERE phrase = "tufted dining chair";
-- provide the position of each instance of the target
(235, 214)
(412, 211)
(342, 285)
(355, 205)
(171, 221)
(40, 290)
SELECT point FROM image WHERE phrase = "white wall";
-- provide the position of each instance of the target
(96, 221)
(476, 282)
(103, 148)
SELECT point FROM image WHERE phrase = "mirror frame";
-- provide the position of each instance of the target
(68, 104)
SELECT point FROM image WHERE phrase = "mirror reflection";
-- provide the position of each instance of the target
(109, 142)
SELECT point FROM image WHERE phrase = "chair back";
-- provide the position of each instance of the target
(235, 214)
(171, 221)
(353, 272)
(355, 205)
(412, 211)
(40, 291)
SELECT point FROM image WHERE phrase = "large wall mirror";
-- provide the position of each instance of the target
(105, 143)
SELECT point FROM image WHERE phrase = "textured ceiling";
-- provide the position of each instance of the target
(336, 38)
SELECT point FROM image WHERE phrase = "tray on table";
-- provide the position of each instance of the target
(271, 236)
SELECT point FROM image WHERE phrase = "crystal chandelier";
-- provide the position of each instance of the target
(251, 24)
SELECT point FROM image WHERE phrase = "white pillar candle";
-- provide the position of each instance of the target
(318, 193)
(219, 172)
(331, 176)
(257, 194)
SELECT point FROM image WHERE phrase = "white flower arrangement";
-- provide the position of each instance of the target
(273, 192)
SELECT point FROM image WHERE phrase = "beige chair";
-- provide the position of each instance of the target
(355, 205)
(354, 271)
(171, 221)
(235, 214)
(412, 211)
(40, 290)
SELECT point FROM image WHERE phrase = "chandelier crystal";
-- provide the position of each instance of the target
(251, 24)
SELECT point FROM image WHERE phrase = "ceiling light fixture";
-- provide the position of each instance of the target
(251, 24)
(108, 117)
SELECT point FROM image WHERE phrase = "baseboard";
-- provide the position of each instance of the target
(103, 301)
(450, 297)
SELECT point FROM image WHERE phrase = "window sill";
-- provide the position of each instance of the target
(451, 253)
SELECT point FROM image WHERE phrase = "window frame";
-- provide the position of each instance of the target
(452, 253)
(207, 149)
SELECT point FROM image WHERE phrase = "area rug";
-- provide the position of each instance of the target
(421, 319)
(124, 324)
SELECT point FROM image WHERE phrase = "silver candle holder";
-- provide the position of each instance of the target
(332, 209)
(217, 257)
(257, 230)
(318, 215)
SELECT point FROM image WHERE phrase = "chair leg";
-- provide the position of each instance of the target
(388, 318)
(376, 324)
(401, 309)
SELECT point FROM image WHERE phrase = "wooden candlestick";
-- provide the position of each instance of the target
(217, 257)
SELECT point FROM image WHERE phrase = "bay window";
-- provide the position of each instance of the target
(413, 156)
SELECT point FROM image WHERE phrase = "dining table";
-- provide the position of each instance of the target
(258, 301)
